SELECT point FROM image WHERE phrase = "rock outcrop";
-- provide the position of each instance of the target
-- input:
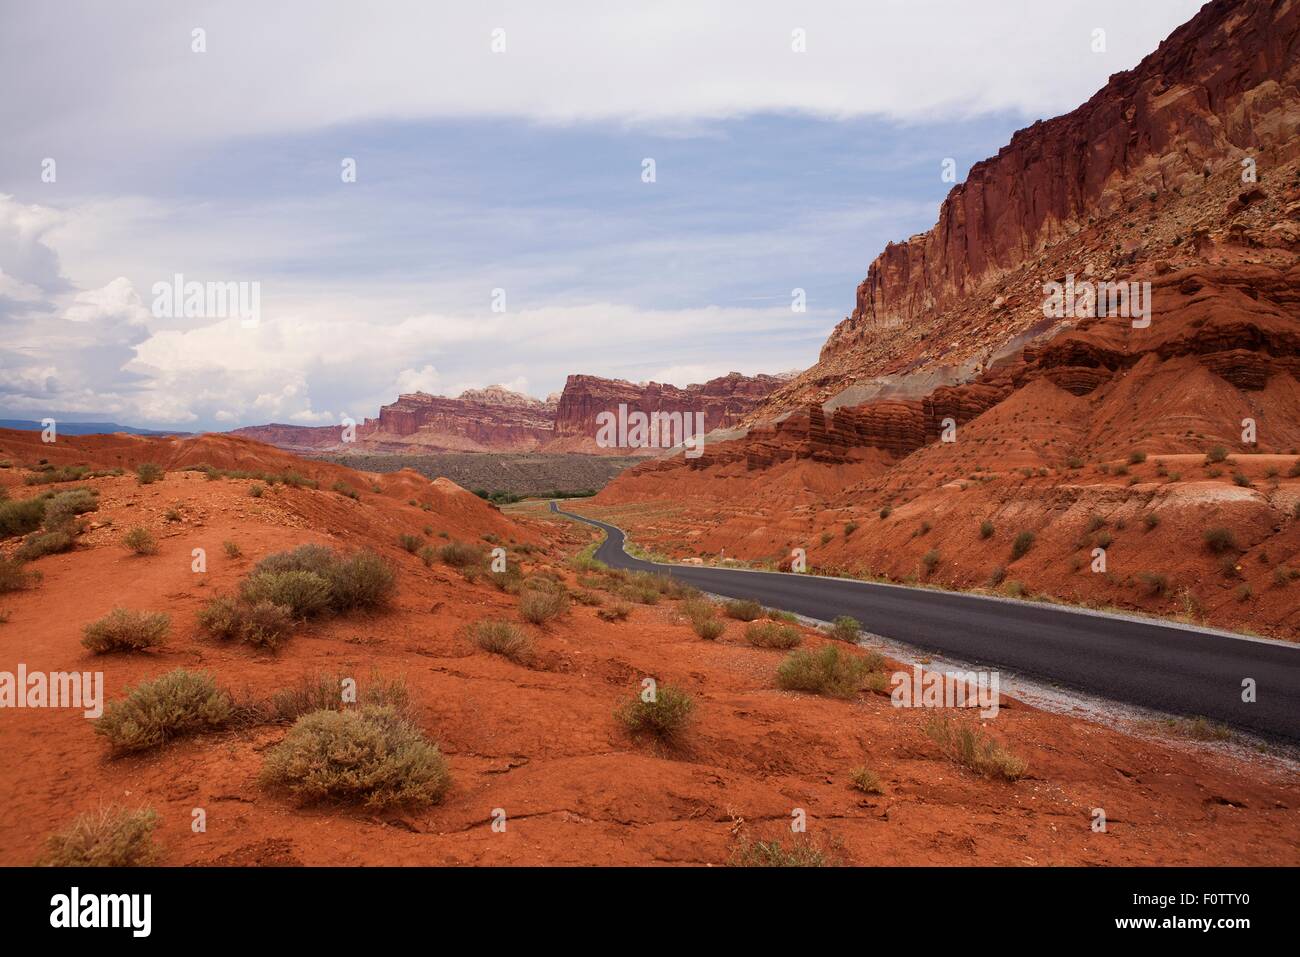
(496, 419)
(1153, 166)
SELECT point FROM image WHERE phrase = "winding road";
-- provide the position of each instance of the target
(1172, 668)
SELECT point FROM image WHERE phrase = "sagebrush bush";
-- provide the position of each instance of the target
(63, 507)
(460, 554)
(538, 605)
(305, 594)
(770, 634)
(501, 638)
(986, 529)
(798, 853)
(147, 473)
(326, 692)
(665, 715)
(354, 580)
(744, 610)
(1220, 540)
(154, 712)
(124, 630)
(39, 544)
(865, 780)
(141, 541)
(410, 542)
(845, 628)
(369, 755)
(1023, 543)
(618, 611)
(972, 749)
(232, 549)
(827, 671)
(20, 516)
(110, 837)
(13, 575)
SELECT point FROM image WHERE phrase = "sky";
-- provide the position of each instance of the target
(502, 225)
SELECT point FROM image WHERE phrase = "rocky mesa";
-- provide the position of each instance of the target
(497, 419)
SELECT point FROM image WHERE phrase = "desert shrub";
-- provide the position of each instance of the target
(1220, 540)
(1240, 479)
(154, 712)
(343, 488)
(665, 716)
(409, 542)
(428, 554)
(39, 544)
(501, 638)
(850, 528)
(63, 507)
(845, 628)
(1156, 584)
(1074, 462)
(930, 561)
(618, 611)
(324, 692)
(799, 853)
(20, 516)
(584, 597)
(141, 541)
(146, 473)
(305, 594)
(865, 780)
(538, 605)
(110, 837)
(51, 475)
(1016, 589)
(460, 554)
(1151, 520)
(262, 624)
(743, 610)
(1024, 541)
(510, 581)
(769, 634)
(356, 580)
(997, 576)
(924, 528)
(369, 755)
(123, 630)
(710, 629)
(970, 748)
(172, 515)
(827, 671)
(232, 549)
(986, 529)
(1136, 458)
(1216, 454)
(13, 575)
(256, 491)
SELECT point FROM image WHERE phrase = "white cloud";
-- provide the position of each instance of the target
(127, 70)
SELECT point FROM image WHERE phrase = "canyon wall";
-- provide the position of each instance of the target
(1222, 89)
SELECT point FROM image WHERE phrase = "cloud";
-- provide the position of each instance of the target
(128, 69)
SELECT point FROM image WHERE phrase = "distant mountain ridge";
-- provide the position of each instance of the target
(497, 419)
(84, 428)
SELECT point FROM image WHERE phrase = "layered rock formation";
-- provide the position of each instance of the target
(1165, 141)
(723, 402)
(496, 419)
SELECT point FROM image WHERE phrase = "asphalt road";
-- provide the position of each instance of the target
(1170, 668)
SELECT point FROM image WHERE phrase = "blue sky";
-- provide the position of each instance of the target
(477, 171)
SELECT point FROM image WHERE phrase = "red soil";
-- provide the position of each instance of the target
(541, 741)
